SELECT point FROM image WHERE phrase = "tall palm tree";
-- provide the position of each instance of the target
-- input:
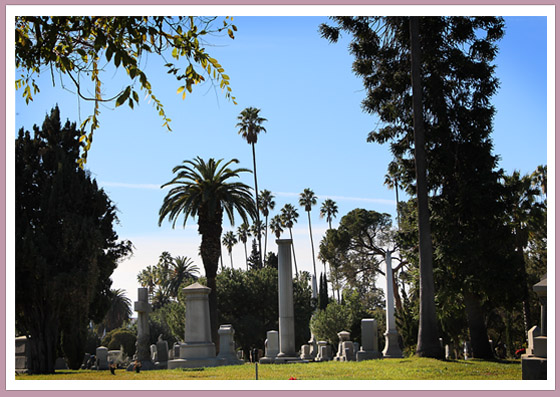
(266, 204)
(205, 190)
(250, 125)
(276, 225)
(289, 215)
(182, 269)
(243, 234)
(307, 199)
(392, 182)
(229, 241)
(147, 279)
(119, 312)
(328, 210)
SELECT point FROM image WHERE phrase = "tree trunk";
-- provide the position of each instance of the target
(231, 259)
(42, 344)
(312, 249)
(265, 234)
(477, 328)
(246, 258)
(213, 304)
(428, 342)
(257, 202)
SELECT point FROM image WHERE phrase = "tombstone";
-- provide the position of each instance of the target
(22, 355)
(313, 346)
(305, 352)
(392, 348)
(101, 358)
(143, 354)
(114, 357)
(369, 349)
(153, 353)
(287, 337)
(271, 347)
(447, 352)
(467, 351)
(534, 362)
(344, 344)
(323, 351)
(227, 346)
(198, 350)
(176, 350)
(162, 353)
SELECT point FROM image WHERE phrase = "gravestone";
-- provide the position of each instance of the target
(22, 355)
(198, 350)
(305, 352)
(162, 353)
(271, 347)
(153, 353)
(143, 354)
(369, 349)
(176, 350)
(534, 362)
(227, 354)
(323, 351)
(114, 357)
(345, 347)
(313, 346)
(101, 358)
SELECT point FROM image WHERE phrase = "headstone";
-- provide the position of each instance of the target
(176, 350)
(447, 352)
(369, 350)
(305, 352)
(22, 355)
(153, 353)
(198, 350)
(271, 347)
(392, 348)
(101, 358)
(162, 353)
(227, 346)
(534, 362)
(343, 344)
(143, 354)
(323, 349)
(313, 346)
(114, 357)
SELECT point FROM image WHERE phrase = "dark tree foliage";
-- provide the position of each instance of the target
(472, 257)
(66, 247)
(254, 260)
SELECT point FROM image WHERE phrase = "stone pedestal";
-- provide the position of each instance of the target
(533, 364)
(22, 355)
(227, 354)
(101, 358)
(198, 349)
(305, 352)
(392, 348)
(143, 308)
(369, 349)
(345, 347)
(323, 351)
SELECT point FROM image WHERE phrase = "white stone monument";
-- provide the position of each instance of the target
(534, 362)
(143, 308)
(198, 349)
(369, 349)
(101, 358)
(392, 348)
(345, 347)
(323, 351)
(271, 348)
(227, 354)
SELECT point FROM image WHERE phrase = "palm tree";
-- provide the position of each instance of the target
(250, 125)
(147, 279)
(229, 241)
(276, 225)
(204, 190)
(328, 210)
(307, 199)
(119, 312)
(243, 234)
(266, 204)
(182, 269)
(289, 215)
(392, 182)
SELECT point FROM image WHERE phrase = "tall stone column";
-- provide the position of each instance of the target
(143, 308)
(392, 349)
(285, 301)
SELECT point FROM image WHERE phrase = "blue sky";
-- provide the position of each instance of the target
(316, 131)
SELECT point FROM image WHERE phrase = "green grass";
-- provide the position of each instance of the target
(407, 368)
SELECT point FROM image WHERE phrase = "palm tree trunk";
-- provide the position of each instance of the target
(428, 342)
(265, 233)
(312, 248)
(293, 250)
(477, 327)
(246, 258)
(257, 201)
(231, 259)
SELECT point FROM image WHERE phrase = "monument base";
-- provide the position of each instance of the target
(267, 360)
(363, 355)
(288, 360)
(392, 349)
(533, 368)
(193, 363)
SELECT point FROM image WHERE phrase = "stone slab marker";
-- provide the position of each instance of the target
(22, 354)
(101, 358)
(369, 348)
(227, 354)
(271, 347)
(285, 302)
(198, 349)
(345, 347)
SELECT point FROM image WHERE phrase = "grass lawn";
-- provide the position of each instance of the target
(413, 368)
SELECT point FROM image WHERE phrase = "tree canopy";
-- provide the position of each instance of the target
(66, 247)
(85, 47)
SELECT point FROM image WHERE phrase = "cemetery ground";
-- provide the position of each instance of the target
(413, 368)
